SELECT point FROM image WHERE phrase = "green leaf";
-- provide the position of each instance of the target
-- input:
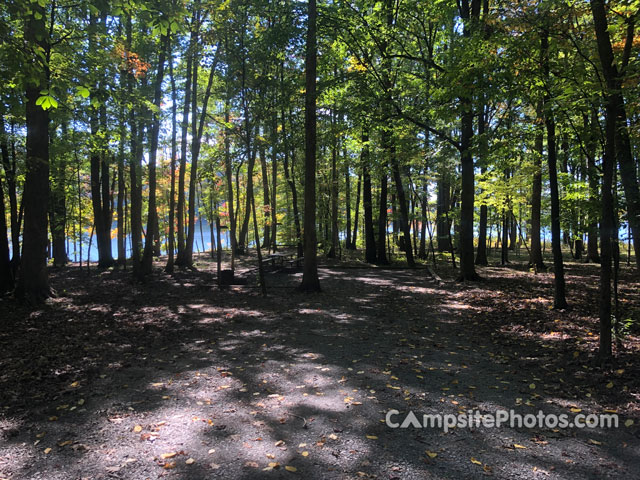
(83, 91)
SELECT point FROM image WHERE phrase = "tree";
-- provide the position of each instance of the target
(33, 280)
(310, 281)
(559, 296)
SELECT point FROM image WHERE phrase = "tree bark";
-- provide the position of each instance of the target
(334, 189)
(10, 175)
(6, 275)
(381, 254)
(356, 218)
(404, 209)
(266, 197)
(535, 254)
(367, 201)
(310, 281)
(469, 12)
(152, 216)
(33, 281)
(189, 78)
(135, 166)
(559, 297)
(58, 208)
(288, 175)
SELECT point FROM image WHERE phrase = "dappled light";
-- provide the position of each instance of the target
(236, 385)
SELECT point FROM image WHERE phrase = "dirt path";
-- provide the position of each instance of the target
(174, 379)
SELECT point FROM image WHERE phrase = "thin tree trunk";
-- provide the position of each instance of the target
(172, 195)
(559, 297)
(594, 196)
(152, 216)
(189, 78)
(535, 259)
(404, 210)
(356, 217)
(367, 202)
(58, 208)
(288, 174)
(135, 167)
(310, 281)
(229, 177)
(6, 275)
(274, 176)
(381, 254)
(266, 198)
(10, 176)
(347, 192)
(334, 189)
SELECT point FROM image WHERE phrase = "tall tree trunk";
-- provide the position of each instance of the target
(135, 166)
(172, 195)
(356, 217)
(381, 254)
(9, 165)
(535, 254)
(347, 193)
(189, 78)
(612, 147)
(424, 205)
(152, 216)
(404, 209)
(249, 146)
(443, 227)
(120, 236)
(256, 233)
(594, 196)
(266, 197)
(559, 297)
(613, 72)
(367, 202)
(288, 175)
(33, 281)
(310, 281)
(58, 208)
(334, 189)
(100, 193)
(274, 176)
(469, 12)
(481, 254)
(6, 274)
(229, 176)
(251, 160)
(504, 251)
(197, 129)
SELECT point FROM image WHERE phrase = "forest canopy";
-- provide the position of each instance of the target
(436, 129)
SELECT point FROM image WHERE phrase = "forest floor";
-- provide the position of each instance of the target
(176, 379)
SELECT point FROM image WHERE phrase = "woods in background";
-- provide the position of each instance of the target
(397, 125)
